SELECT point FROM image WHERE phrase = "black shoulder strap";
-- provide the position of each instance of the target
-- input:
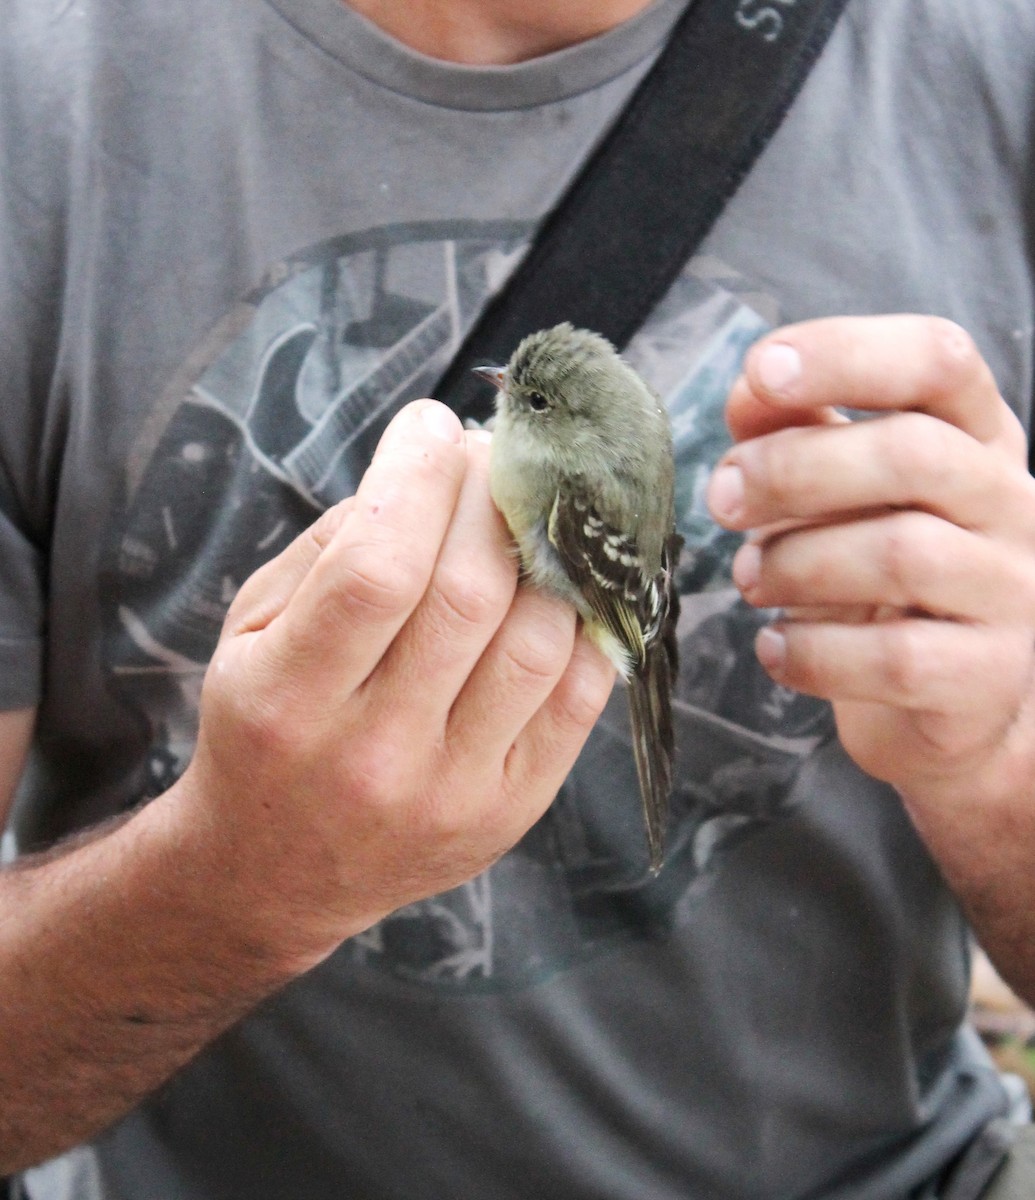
(652, 189)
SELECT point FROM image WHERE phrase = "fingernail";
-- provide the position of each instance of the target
(747, 566)
(771, 649)
(433, 418)
(778, 366)
(726, 492)
(442, 422)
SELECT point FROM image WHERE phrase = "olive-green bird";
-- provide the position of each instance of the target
(582, 471)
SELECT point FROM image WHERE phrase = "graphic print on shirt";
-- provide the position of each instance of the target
(276, 418)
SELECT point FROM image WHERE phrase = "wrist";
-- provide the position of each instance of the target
(980, 828)
(253, 894)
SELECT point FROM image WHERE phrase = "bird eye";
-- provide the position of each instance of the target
(538, 402)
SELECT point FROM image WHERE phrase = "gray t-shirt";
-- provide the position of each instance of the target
(234, 237)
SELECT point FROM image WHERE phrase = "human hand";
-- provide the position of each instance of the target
(386, 712)
(902, 549)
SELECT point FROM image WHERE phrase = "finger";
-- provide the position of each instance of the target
(905, 560)
(903, 460)
(266, 592)
(372, 574)
(469, 594)
(882, 363)
(546, 749)
(518, 671)
(749, 414)
(912, 663)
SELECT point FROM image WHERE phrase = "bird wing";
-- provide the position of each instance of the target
(604, 564)
(641, 612)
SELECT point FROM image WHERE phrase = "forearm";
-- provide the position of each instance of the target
(120, 959)
(981, 833)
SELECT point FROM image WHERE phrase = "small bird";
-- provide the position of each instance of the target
(581, 469)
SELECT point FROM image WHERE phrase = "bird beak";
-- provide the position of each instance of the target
(495, 375)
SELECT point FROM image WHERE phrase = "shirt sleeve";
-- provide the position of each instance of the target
(34, 118)
(21, 618)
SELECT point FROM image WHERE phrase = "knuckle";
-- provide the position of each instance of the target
(536, 655)
(251, 604)
(583, 698)
(785, 471)
(1015, 445)
(445, 819)
(787, 573)
(321, 532)
(377, 775)
(952, 356)
(378, 584)
(257, 720)
(952, 342)
(1015, 438)
(909, 668)
(919, 452)
(907, 559)
(247, 596)
(469, 598)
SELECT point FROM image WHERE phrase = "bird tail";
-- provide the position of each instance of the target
(650, 709)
